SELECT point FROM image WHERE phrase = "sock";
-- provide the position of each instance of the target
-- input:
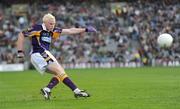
(77, 90)
(53, 82)
(69, 83)
(47, 89)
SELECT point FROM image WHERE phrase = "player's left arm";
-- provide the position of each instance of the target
(73, 30)
(78, 30)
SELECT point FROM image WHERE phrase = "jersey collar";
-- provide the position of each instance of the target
(44, 27)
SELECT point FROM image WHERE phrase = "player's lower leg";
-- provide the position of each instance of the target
(46, 91)
(77, 92)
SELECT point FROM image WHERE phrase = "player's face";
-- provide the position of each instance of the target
(50, 24)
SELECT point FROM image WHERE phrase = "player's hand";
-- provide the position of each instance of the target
(90, 29)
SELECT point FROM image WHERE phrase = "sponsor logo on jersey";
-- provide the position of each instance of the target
(46, 39)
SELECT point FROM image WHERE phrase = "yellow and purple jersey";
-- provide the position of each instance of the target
(41, 38)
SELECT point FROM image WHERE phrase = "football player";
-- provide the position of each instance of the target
(41, 37)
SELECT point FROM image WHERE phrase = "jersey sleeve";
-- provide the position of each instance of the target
(57, 33)
(32, 31)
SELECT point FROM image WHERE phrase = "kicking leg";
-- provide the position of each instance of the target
(57, 70)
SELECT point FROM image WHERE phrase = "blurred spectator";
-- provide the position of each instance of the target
(129, 37)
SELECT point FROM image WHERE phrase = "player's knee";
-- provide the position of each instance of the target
(58, 71)
(62, 76)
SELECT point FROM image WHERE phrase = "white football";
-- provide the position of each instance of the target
(165, 40)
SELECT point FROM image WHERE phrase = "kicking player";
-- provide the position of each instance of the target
(41, 37)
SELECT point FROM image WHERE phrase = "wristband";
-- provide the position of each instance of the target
(20, 51)
(86, 30)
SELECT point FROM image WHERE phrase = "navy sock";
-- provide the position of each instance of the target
(53, 82)
(69, 83)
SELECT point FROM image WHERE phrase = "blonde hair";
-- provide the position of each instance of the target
(47, 17)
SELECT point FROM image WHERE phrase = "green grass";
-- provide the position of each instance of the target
(118, 88)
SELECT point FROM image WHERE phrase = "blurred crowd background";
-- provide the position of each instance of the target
(127, 30)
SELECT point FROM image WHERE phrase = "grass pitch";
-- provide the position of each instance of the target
(118, 88)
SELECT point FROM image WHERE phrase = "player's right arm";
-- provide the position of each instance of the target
(20, 45)
(29, 32)
(20, 42)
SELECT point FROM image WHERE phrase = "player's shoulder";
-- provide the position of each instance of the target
(57, 30)
(37, 26)
(34, 29)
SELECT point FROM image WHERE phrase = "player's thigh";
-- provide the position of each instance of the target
(56, 69)
(53, 66)
(38, 62)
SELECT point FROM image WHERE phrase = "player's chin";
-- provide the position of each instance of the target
(51, 28)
